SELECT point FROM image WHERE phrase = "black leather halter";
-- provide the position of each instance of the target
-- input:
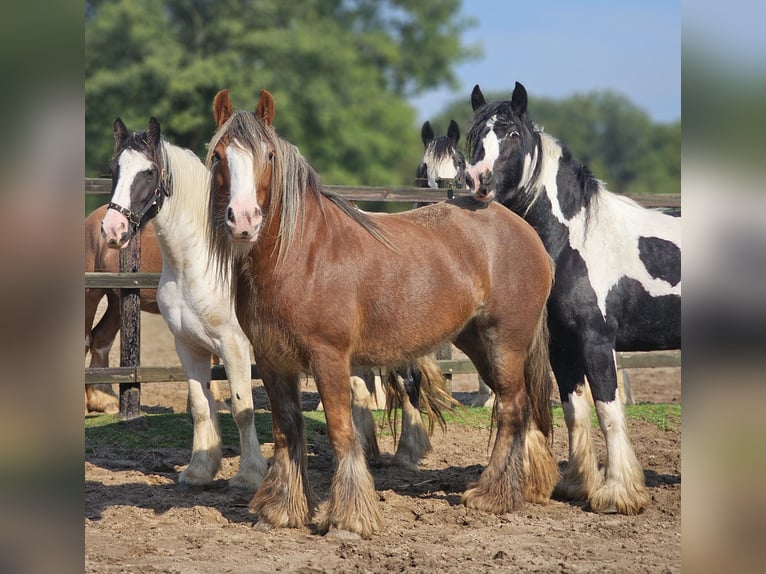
(155, 202)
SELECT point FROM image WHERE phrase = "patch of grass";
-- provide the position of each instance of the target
(175, 430)
(665, 416)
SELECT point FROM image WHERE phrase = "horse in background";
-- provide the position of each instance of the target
(153, 180)
(321, 286)
(442, 167)
(99, 338)
(617, 285)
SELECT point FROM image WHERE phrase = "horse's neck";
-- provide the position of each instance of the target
(180, 224)
(554, 212)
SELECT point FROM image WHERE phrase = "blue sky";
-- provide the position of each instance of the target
(558, 48)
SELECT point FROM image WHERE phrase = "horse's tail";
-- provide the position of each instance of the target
(432, 397)
(537, 374)
(435, 399)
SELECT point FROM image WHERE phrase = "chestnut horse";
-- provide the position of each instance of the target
(99, 338)
(320, 286)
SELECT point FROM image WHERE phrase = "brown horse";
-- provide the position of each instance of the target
(100, 337)
(320, 286)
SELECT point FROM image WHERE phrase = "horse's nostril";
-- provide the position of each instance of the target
(230, 215)
(469, 181)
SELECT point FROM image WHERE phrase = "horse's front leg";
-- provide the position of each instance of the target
(352, 506)
(284, 498)
(623, 489)
(236, 357)
(206, 445)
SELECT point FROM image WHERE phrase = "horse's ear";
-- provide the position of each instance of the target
(519, 99)
(453, 132)
(120, 133)
(222, 109)
(265, 108)
(426, 133)
(477, 98)
(153, 133)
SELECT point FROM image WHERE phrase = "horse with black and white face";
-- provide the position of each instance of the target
(153, 180)
(442, 167)
(443, 164)
(617, 284)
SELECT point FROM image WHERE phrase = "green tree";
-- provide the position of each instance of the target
(340, 72)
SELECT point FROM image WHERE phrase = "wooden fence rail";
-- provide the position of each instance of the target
(131, 374)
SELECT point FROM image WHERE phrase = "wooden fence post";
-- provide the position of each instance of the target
(130, 331)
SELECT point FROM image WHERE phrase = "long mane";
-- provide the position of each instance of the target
(292, 180)
(553, 153)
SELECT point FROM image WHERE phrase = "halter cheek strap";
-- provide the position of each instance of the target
(156, 203)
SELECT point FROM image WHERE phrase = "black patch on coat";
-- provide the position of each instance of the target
(662, 258)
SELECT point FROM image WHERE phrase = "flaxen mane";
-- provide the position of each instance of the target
(292, 179)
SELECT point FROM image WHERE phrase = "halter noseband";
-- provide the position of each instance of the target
(160, 192)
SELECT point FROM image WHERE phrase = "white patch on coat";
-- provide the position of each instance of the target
(131, 163)
(608, 239)
(438, 167)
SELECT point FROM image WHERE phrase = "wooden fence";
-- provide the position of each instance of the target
(130, 374)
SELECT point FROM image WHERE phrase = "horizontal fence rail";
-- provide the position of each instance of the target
(103, 186)
(449, 367)
(643, 360)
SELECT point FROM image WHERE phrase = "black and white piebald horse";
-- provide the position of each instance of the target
(617, 284)
(443, 166)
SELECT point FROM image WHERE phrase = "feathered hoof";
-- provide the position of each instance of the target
(577, 486)
(193, 477)
(404, 461)
(617, 498)
(347, 526)
(246, 481)
(101, 401)
(540, 469)
(202, 469)
(480, 498)
(337, 534)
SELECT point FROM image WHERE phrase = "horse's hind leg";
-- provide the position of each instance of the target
(623, 490)
(206, 444)
(284, 498)
(252, 465)
(414, 442)
(99, 341)
(352, 506)
(500, 488)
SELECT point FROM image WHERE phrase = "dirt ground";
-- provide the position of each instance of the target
(137, 518)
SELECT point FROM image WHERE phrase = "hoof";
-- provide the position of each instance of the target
(262, 526)
(338, 534)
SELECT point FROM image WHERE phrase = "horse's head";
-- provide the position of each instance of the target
(241, 160)
(503, 144)
(139, 184)
(443, 163)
